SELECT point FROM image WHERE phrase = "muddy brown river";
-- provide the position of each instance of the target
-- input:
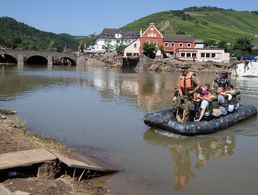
(100, 111)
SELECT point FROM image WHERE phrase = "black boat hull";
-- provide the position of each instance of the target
(163, 120)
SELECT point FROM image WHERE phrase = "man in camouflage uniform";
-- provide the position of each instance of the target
(188, 85)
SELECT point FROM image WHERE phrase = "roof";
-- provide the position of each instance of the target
(111, 32)
(178, 38)
(152, 25)
(206, 48)
(199, 41)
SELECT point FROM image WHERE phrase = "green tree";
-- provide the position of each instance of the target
(161, 48)
(180, 32)
(223, 45)
(108, 46)
(120, 48)
(242, 47)
(211, 43)
(149, 49)
(16, 42)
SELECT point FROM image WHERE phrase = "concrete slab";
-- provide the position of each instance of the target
(25, 158)
(4, 190)
(76, 160)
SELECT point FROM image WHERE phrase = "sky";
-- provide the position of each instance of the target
(84, 17)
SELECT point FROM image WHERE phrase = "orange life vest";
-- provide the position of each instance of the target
(186, 81)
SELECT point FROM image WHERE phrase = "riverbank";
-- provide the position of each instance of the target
(173, 65)
(142, 62)
(15, 136)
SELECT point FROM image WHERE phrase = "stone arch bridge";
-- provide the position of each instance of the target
(22, 57)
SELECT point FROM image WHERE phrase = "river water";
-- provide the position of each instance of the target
(101, 112)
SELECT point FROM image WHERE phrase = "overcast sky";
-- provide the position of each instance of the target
(82, 17)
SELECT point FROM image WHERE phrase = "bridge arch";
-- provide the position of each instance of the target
(37, 60)
(8, 59)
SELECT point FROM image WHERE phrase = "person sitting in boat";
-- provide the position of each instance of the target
(232, 96)
(221, 101)
(206, 107)
(197, 103)
(206, 88)
(189, 84)
(222, 80)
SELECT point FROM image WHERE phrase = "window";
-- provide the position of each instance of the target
(182, 54)
(156, 43)
(151, 35)
(202, 55)
(129, 54)
(207, 55)
(213, 55)
(180, 44)
(166, 44)
(135, 45)
(193, 54)
(189, 45)
(148, 42)
(172, 44)
(188, 55)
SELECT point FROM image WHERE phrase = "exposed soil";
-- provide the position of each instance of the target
(14, 136)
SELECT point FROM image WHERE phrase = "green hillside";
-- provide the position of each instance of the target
(203, 23)
(15, 34)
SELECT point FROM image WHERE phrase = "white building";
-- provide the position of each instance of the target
(112, 37)
(203, 54)
(198, 43)
(133, 49)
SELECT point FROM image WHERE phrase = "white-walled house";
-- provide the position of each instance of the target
(198, 43)
(114, 37)
(203, 54)
(133, 49)
(212, 54)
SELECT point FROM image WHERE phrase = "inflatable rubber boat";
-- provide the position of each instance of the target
(165, 121)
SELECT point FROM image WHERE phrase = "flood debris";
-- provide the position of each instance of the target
(49, 163)
(7, 112)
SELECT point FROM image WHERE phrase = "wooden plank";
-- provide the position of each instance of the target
(4, 190)
(25, 158)
(76, 160)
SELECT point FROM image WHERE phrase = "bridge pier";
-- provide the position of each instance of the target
(20, 62)
(49, 62)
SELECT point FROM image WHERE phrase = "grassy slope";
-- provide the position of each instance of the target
(218, 24)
